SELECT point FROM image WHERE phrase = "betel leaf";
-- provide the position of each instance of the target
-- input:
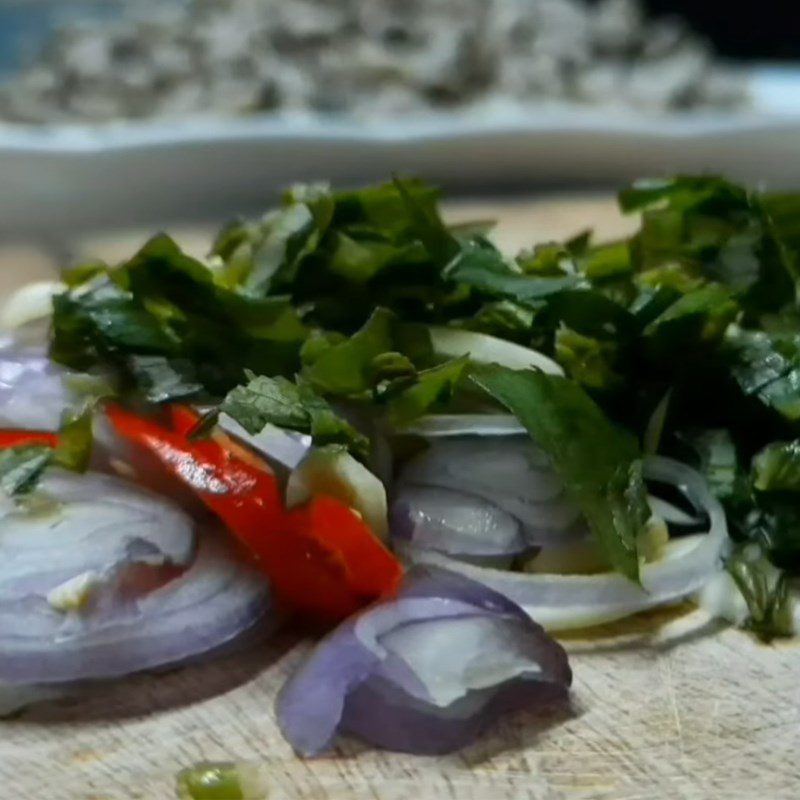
(592, 313)
(22, 466)
(163, 379)
(345, 368)
(259, 256)
(698, 317)
(163, 326)
(766, 366)
(427, 225)
(483, 268)
(385, 208)
(599, 463)
(777, 467)
(504, 319)
(361, 259)
(297, 406)
(430, 388)
(766, 592)
(392, 366)
(385, 247)
(718, 460)
(75, 439)
(607, 260)
(711, 228)
(549, 259)
(681, 192)
(589, 361)
(93, 321)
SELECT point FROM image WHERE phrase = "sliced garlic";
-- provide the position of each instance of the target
(74, 594)
(335, 473)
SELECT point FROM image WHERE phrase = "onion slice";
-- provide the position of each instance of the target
(33, 393)
(33, 301)
(453, 343)
(424, 673)
(561, 602)
(213, 602)
(97, 585)
(455, 523)
(508, 473)
(95, 523)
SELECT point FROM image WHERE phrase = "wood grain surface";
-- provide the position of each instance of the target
(668, 706)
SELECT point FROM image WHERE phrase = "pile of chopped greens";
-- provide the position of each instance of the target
(683, 339)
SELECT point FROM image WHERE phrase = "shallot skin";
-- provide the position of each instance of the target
(425, 672)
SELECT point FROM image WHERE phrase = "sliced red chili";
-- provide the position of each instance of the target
(367, 566)
(322, 559)
(14, 438)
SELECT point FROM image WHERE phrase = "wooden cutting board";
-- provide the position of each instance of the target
(668, 706)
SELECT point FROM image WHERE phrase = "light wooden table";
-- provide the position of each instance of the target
(666, 707)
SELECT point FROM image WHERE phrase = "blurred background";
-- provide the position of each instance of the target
(768, 30)
(137, 111)
(101, 60)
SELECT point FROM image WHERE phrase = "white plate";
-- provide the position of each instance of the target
(84, 177)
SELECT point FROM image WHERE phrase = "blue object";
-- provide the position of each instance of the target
(26, 24)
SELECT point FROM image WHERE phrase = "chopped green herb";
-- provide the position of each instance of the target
(346, 368)
(22, 466)
(598, 462)
(587, 360)
(74, 448)
(430, 388)
(777, 467)
(291, 405)
(718, 459)
(327, 298)
(766, 592)
(220, 781)
(651, 439)
(483, 268)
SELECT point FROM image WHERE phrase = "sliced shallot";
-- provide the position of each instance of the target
(105, 579)
(33, 392)
(88, 523)
(425, 672)
(455, 523)
(560, 602)
(506, 472)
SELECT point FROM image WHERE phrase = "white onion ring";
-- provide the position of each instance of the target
(485, 349)
(560, 602)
